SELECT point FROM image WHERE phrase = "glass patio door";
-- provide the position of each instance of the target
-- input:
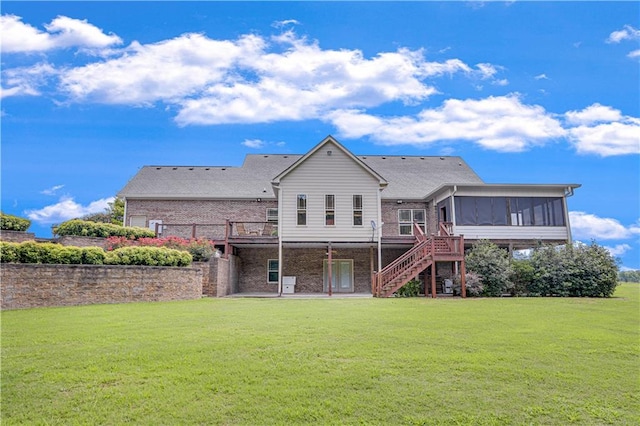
(341, 276)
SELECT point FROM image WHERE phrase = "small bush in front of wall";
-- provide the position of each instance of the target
(201, 249)
(9, 252)
(50, 253)
(410, 289)
(84, 228)
(147, 256)
(13, 223)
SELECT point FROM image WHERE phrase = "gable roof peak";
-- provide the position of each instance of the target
(329, 140)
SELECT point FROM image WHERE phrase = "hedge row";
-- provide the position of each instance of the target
(148, 256)
(32, 252)
(566, 271)
(50, 253)
(201, 249)
(85, 228)
(13, 223)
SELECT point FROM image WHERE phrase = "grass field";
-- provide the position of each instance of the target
(321, 361)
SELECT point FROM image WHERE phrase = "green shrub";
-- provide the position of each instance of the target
(9, 252)
(492, 264)
(148, 256)
(83, 228)
(32, 252)
(472, 283)
(93, 256)
(522, 275)
(410, 289)
(575, 271)
(13, 223)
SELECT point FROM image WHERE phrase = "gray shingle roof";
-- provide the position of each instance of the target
(409, 177)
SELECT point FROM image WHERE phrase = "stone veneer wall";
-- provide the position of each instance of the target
(34, 285)
(77, 241)
(16, 236)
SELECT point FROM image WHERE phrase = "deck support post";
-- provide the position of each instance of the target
(463, 272)
(371, 266)
(330, 269)
(227, 228)
(433, 279)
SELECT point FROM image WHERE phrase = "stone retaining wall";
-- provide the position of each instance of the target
(34, 285)
(77, 241)
(16, 236)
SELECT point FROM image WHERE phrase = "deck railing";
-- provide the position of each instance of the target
(425, 251)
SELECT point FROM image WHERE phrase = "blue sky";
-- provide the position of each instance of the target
(525, 92)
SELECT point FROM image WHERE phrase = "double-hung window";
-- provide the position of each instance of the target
(357, 210)
(272, 271)
(272, 216)
(301, 209)
(329, 210)
(406, 219)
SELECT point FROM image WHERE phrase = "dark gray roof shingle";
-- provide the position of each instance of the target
(409, 177)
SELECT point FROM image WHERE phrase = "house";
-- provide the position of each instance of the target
(331, 221)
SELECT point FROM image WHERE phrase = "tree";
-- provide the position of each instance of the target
(492, 264)
(629, 276)
(112, 214)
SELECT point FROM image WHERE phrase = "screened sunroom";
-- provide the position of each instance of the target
(512, 214)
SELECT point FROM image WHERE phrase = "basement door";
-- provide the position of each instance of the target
(341, 276)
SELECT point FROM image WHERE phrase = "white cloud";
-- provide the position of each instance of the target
(634, 54)
(501, 123)
(607, 139)
(589, 226)
(52, 190)
(253, 143)
(65, 209)
(166, 71)
(280, 24)
(595, 113)
(248, 80)
(26, 81)
(603, 131)
(62, 32)
(618, 250)
(626, 33)
(541, 77)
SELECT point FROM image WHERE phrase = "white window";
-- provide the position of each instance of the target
(357, 210)
(272, 216)
(139, 221)
(329, 210)
(302, 209)
(406, 218)
(272, 271)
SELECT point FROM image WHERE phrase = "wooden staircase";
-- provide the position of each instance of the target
(425, 252)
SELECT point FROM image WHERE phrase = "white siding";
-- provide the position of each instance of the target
(513, 232)
(322, 174)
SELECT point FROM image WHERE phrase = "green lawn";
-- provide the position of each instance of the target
(320, 361)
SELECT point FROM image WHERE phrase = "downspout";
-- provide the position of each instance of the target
(124, 215)
(453, 209)
(379, 236)
(568, 193)
(280, 226)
